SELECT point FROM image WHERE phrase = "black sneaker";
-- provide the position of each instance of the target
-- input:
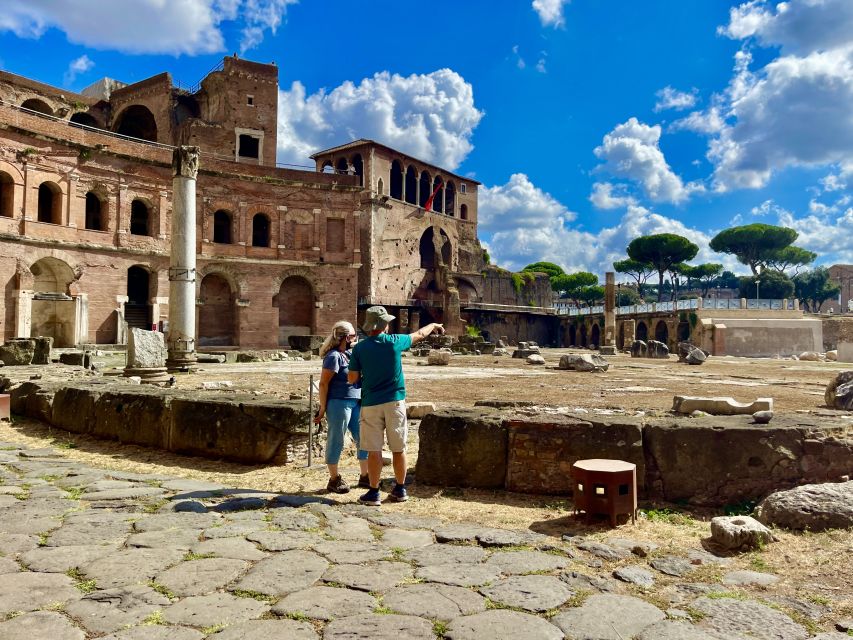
(364, 482)
(337, 485)
(398, 494)
(371, 498)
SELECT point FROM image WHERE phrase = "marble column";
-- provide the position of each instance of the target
(608, 346)
(180, 339)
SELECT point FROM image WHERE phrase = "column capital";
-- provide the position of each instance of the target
(185, 162)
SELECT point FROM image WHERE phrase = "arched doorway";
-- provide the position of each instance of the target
(450, 198)
(50, 203)
(411, 185)
(438, 190)
(358, 166)
(683, 331)
(343, 166)
(426, 188)
(463, 212)
(260, 230)
(7, 195)
(642, 331)
(446, 249)
(137, 311)
(295, 302)
(53, 312)
(216, 313)
(94, 219)
(396, 185)
(573, 335)
(137, 122)
(595, 337)
(84, 119)
(427, 249)
(620, 340)
(584, 341)
(139, 218)
(39, 106)
(661, 332)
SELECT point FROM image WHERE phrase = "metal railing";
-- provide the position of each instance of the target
(685, 305)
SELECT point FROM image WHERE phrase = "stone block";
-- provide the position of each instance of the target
(306, 343)
(535, 358)
(43, 345)
(839, 392)
(735, 533)
(639, 349)
(812, 507)
(18, 352)
(810, 356)
(136, 416)
(417, 410)
(250, 356)
(462, 448)
(719, 406)
(145, 349)
(832, 355)
(74, 408)
(243, 429)
(607, 350)
(76, 358)
(657, 350)
(583, 362)
(437, 357)
(845, 352)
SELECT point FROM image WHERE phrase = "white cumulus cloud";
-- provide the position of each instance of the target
(76, 67)
(430, 116)
(669, 98)
(550, 12)
(145, 26)
(631, 151)
(609, 196)
(823, 234)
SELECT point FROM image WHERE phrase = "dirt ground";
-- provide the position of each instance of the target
(809, 562)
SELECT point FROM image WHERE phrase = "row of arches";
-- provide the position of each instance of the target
(416, 189)
(590, 337)
(135, 121)
(353, 166)
(223, 228)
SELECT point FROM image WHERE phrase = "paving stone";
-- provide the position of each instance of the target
(240, 504)
(164, 521)
(40, 624)
(603, 551)
(27, 591)
(268, 630)
(294, 519)
(168, 538)
(379, 576)
(521, 562)
(61, 559)
(508, 538)
(434, 601)
(10, 490)
(110, 610)
(399, 520)
(7, 565)
(458, 533)
(459, 574)
(184, 506)
(245, 516)
(154, 632)
(672, 566)
(284, 573)
(701, 557)
(640, 548)
(131, 493)
(214, 609)
(300, 501)
(12, 544)
(531, 593)
(445, 554)
(742, 578)
(198, 577)
(406, 538)
(183, 486)
(831, 635)
(238, 529)
(802, 607)
(635, 575)
(326, 603)
(343, 552)
(96, 529)
(27, 521)
(731, 616)
(608, 617)
(40, 453)
(676, 630)
(502, 625)
(350, 528)
(284, 540)
(130, 566)
(108, 485)
(237, 548)
(379, 627)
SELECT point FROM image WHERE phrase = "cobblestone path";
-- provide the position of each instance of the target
(91, 553)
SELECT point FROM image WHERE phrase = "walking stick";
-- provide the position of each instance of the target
(310, 418)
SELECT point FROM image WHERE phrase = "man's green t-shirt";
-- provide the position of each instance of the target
(378, 360)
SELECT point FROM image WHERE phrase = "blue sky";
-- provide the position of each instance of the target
(588, 122)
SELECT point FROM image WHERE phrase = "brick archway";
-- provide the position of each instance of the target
(216, 312)
(295, 302)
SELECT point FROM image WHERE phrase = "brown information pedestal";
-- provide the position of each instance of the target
(606, 487)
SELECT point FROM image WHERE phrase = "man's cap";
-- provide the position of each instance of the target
(376, 319)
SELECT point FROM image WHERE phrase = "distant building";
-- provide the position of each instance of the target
(842, 275)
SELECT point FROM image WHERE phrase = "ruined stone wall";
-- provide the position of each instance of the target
(836, 330)
(516, 327)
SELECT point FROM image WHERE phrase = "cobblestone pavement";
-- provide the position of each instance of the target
(92, 553)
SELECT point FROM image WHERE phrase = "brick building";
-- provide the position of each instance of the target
(842, 275)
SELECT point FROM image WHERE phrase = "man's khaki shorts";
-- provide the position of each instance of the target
(380, 419)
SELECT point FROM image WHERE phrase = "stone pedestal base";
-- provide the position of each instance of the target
(182, 365)
(157, 375)
(607, 350)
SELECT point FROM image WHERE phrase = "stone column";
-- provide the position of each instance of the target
(81, 319)
(23, 313)
(182, 261)
(608, 346)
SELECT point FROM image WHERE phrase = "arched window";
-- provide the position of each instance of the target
(450, 198)
(94, 219)
(380, 187)
(7, 194)
(327, 167)
(39, 106)
(358, 166)
(463, 211)
(50, 203)
(662, 332)
(438, 190)
(137, 122)
(139, 218)
(343, 166)
(411, 185)
(425, 186)
(260, 230)
(396, 180)
(222, 227)
(642, 332)
(83, 118)
(427, 249)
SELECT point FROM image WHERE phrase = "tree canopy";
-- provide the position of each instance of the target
(753, 244)
(545, 267)
(705, 273)
(784, 259)
(639, 271)
(591, 295)
(815, 287)
(771, 284)
(573, 284)
(662, 250)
